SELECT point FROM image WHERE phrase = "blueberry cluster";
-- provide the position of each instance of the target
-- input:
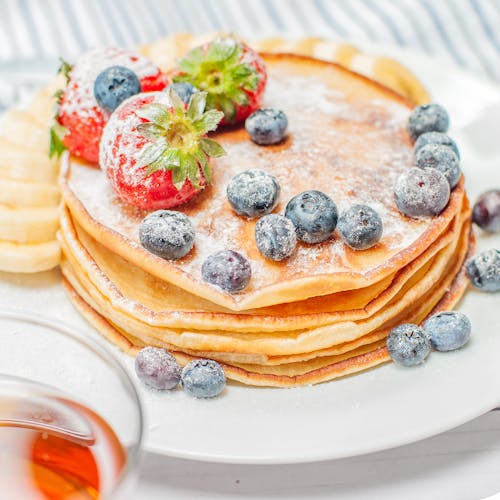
(158, 369)
(409, 344)
(425, 190)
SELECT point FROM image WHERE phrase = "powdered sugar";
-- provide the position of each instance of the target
(352, 149)
(87, 68)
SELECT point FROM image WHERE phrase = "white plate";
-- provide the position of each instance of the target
(379, 409)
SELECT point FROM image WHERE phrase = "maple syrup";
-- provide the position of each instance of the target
(54, 448)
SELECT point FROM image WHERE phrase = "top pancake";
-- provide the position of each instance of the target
(347, 137)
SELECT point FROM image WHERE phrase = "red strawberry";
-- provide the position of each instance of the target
(155, 151)
(79, 121)
(231, 72)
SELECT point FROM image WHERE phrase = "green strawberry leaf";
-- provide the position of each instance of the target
(212, 148)
(64, 69)
(208, 121)
(150, 130)
(197, 105)
(157, 113)
(221, 49)
(202, 158)
(177, 103)
(56, 145)
(152, 152)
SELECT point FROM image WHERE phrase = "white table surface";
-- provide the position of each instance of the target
(461, 464)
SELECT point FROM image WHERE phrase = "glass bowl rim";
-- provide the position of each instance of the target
(102, 351)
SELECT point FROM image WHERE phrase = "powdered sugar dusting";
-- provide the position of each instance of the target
(88, 67)
(351, 148)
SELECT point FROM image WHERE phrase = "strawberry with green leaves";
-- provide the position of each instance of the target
(80, 119)
(233, 75)
(155, 149)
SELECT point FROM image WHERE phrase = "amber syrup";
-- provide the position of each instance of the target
(54, 448)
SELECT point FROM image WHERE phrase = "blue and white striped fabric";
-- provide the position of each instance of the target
(466, 32)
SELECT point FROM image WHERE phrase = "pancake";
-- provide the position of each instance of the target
(153, 301)
(422, 290)
(302, 373)
(347, 138)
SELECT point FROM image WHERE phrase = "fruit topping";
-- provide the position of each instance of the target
(231, 72)
(484, 270)
(167, 234)
(441, 158)
(228, 270)
(314, 216)
(428, 118)
(436, 138)
(253, 193)
(203, 378)
(360, 227)
(420, 192)
(113, 85)
(486, 211)
(157, 368)
(448, 330)
(184, 90)
(79, 120)
(155, 151)
(408, 345)
(275, 237)
(267, 126)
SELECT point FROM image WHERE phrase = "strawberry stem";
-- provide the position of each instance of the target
(218, 69)
(177, 139)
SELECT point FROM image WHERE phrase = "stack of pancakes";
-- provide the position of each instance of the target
(321, 314)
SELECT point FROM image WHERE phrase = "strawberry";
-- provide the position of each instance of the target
(155, 150)
(79, 120)
(231, 72)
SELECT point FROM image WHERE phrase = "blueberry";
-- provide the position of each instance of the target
(486, 211)
(183, 89)
(428, 118)
(484, 270)
(275, 237)
(421, 192)
(157, 368)
(436, 138)
(314, 216)
(113, 85)
(228, 270)
(441, 158)
(167, 234)
(360, 227)
(448, 330)
(267, 126)
(203, 378)
(408, 345)
(253, 193)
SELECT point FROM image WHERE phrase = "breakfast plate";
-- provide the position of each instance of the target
(378, 409)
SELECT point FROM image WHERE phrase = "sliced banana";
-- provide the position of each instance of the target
(19, 127)
(28, 194)
(28, 224)
(19, 258)
(19, 163)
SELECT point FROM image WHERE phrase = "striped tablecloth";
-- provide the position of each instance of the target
(466, 32)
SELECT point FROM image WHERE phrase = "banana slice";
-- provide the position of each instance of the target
(19, 127)
(18, 163)
(28, 194)
(42, 106)
(19, 258)
(28, 224)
